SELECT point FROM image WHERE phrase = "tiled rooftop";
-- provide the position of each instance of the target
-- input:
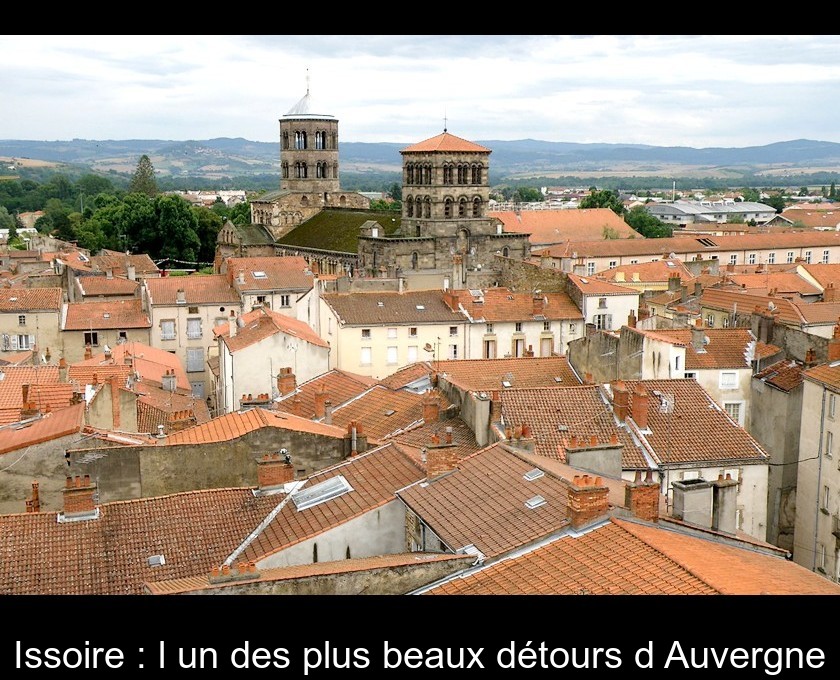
(30, 299)
(783, 283)
(423, 306)
(482, 503)
(828, 374)
(383, 412)
(262, 323)
(591, 285)
(50, 426)
(150, 363)
(785, 375)
(374, 476)
(480, 375)
(559, 226)
(422, 436)
(723, 347)
(629, 558)
(114, 314)
(157, 406)
(91, 286)
(118, 262)
(339, 385)
(288, 272)
(445, 142)
(234, 425)
(194, 531)
(658, 271)
(502, 304)
(198, 290)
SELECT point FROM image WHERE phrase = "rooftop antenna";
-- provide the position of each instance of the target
(444, 119)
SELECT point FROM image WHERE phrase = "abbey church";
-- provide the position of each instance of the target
(446, 238)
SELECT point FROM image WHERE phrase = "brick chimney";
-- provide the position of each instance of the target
(79, 495)
(33, 503)
(131, 272)
(529, 353)
(297, 406)
(830, 293)
(440, 458)
(621, 400)
(328, 411)
(286, 381)
(232, 324)
(641, 496)
(598, 455)
(674, 282)
(241, 277)
(698, 336)
(588, 501)
(88, 352)
(431, 407)
(274, 470)
(537, 304)
(169, 381)
(62, 370)
(495, 406)
(631, 319)
(321, 396)
(639, 407)
(116, 414)
(725, 504)
(834, 344)
(810, 357)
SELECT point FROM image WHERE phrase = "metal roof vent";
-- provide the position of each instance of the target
(156, 561)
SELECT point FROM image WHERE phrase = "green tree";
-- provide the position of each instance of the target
(7, 220)
(751, 195)
(143, 181)
(603, 198)
(174, 233)
(528, 195)
(646, 224)
(776, 201)
(395, 191)
(832, 191)
(803, 191)
(240, 214)
(208, 224)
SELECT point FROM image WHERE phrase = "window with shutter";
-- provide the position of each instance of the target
(195, 359)
(194, 329)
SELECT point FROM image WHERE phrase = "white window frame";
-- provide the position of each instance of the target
(825, 256)
(733, 259)
(93, 336)
(392, 333)
(191, 332)
(453, 352)
(829, 444)
(285, 300)
(751, 258)
(366, 334)
(412, 354)
(366, 356)
(771, 258)
(164, 324)
(739, 407)
(725, 384)
(790, 257)
(392, 355)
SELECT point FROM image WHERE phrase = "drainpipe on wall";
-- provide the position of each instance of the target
(819, 479)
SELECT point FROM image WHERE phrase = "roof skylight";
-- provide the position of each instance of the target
(321, 492)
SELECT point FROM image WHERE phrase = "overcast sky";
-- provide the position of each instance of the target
(698, 91)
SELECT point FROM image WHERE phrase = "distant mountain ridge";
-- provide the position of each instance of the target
(238, 156)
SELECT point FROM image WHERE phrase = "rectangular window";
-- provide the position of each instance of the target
(590, 268)
(829, 444)
(613, 264)
(733, 259)
(392, 333)
(489, 328)
(603, 322)
(391, 356)
(825, 257)
(195, 359)
(771, 258)
(92, 338)
(826, 498)
(733, 408)
(546, 347)
(194, 329)
(634, 262)
(25, 341)
(219, 320)
(453, 351)
(366, 334)
(453, 331)
(518, 327)
(602, 303)
(808, 256)
(192, 310)
(285, 300)
(546, 325)
(790, 257)
(710, 320)
(519, 348)
(412, 354)
(751, 258)
(728, 380)
(832, 405)
(366, 357)
(21, 319)
(412, 332)
(197, 389)
(690, 374)
(167, 329)
(489, 349)
(726, 322)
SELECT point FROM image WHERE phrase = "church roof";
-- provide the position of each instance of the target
(446, 142)
(304, 109)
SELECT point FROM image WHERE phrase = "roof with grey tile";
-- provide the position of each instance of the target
(482, 503)
(371, 309)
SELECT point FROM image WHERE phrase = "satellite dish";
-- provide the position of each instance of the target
(428, 347)
(771, 306)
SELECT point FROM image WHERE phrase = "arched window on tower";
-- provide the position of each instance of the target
(506, 251)
(462, 174)
(428, 204)
(320, 140)
(462, 207)
(447, 174)
(335, 170)
(409, 207)
(285, 167)
(415, 260)
(476, 210)
(476, 174)
(427, 174)
(409, 173)
(447, 208)
(285, 139)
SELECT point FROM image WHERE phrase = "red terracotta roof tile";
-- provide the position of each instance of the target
(149, 363)
(479, 375)
(116, 314)
(591, 285)
(658, 271)
(546, 227)
(199, 289)
(287, 272)
(422, 306)
(482, 503)
(91, 286)
(722, 347)
(50, 426)
(784, 375)
(502, 304)
(339, 386)
(118, 262)
(262, 323)
(30, 299)
(445, 142)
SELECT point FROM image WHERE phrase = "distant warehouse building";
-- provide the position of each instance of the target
(678, 213)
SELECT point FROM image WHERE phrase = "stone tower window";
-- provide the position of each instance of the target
(462, 207)
(300, 139)
(428, 204)
(415, 258)
(409, 173)
(320, 140)
(462, 174)
(300, 170)
(476, 209)
(447, 208)
(285, 170)
(409, 207)
(476, 174)
(447, 174)
(285, 139)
